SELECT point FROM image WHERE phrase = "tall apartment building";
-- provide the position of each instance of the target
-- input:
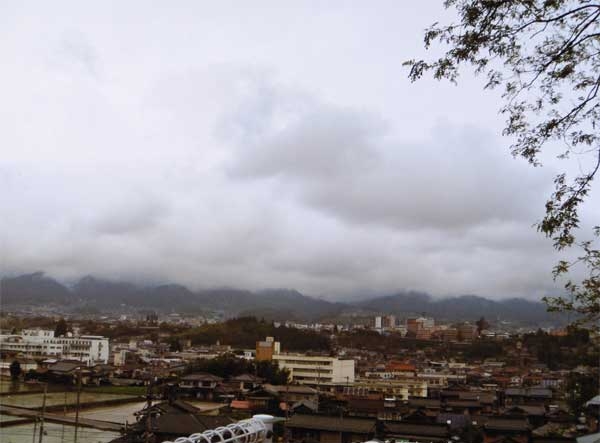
(384, 322)
(307, 369)
(421, 327)
(37, 343)
(311, 369)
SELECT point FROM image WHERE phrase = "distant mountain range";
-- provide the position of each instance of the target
(103, 295)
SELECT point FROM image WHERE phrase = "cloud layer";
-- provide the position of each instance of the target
(276, 147)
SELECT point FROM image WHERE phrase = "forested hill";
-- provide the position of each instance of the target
(272, 304)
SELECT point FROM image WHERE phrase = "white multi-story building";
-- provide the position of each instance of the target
(37, 343)
(309, 369)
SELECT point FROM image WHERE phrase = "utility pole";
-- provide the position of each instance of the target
(287, 403)
(62, 434)
(149, 407)
(77, 407)
(43, 413)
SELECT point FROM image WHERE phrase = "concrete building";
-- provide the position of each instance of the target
(120, 357)
(389, 322)
(308, 369)
(266, 349)
(420, 328)
(378, 322)
(466, 332)
(401, 388)
(34, 343)
(384, 323)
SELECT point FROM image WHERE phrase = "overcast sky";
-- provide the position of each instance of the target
(257, 144)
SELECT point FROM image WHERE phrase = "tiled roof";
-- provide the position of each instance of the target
(423, 403)
(201, 376)
(527, 410)
(248, 377)
(292, 389)
(415, 429)
(530, 392)
(65, 366)
(333, 424)
(503, 424)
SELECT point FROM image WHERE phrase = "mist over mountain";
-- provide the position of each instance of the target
(35, 288)
(462, 308)
(276, 304)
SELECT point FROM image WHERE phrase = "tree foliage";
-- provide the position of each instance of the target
(246, 331)
(15, 370)
(61, 328)
(563, 352)
(544, 55)
(579, 389)
(228, 365)
(482, 325)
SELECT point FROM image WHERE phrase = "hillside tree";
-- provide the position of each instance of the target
(545, 57)
(61, 328)
(482, 325)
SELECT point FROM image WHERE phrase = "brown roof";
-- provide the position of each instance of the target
(291, 389)
(529, 392)
(333, 424)
(424, 403)
(66, 366)
(482, 397)
(416, 429)
(201, 376)
(526, 410)
(463, 403)
(248, 377)
(503, 424)
(186, 424)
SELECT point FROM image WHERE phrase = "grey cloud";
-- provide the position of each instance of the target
(342, 162)
(74, 50)
(187, 144)
(125, 218)
(322, 144)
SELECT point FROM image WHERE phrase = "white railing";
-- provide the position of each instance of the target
(258, 429)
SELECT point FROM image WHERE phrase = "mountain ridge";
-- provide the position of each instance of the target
(278, 304)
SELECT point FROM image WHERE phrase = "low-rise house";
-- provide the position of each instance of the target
(101, 374)
(536, 415)
(424, 403)
(247, 382)
(419, 432)
(527, 396)
(68, 371)
(327, 429)
(200, 385)
(471, 407)
(171, 420)
(505, 430)
(275, 399)
(293, 393)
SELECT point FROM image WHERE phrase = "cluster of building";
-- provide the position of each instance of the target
(354, 395)
(425, 328)
(40, 343)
